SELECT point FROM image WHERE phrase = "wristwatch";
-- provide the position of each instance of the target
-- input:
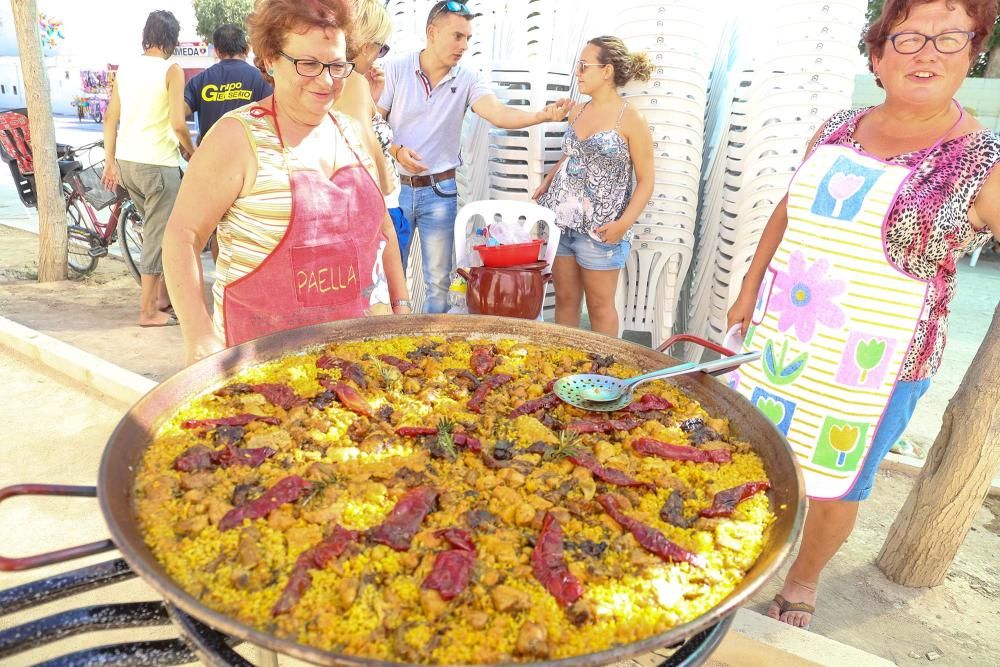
(399, 303)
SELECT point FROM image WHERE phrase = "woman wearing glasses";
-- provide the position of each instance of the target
(303, 233)
(857, 264)
(372, 28)
(590, 188)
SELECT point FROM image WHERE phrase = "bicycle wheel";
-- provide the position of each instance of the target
(79, 243)
(130, 238)
(80, 239)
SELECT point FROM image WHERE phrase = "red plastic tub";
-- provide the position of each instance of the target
(509, 255)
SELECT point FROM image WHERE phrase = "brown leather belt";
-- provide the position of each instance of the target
(426, 179)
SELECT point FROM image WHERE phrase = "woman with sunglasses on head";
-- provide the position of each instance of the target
(370, 36)
(857, 265)
(590, 188)
(304, 237)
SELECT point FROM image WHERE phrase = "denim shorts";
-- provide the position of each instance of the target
(902, 404)
(590, 254)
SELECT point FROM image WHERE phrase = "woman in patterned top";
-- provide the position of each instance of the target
(590, 188)
(304, 237)
(947, 202)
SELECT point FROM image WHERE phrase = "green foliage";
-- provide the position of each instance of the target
(992, 47)
(210, 14)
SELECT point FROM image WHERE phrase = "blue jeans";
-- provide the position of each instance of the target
(902, 404)
(432, 210)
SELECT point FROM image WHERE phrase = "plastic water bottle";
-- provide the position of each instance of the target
(456, 295)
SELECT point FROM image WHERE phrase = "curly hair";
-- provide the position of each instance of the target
(982, 12)
(627, 65)
(272, 20)
(161, 31)
(371, 24)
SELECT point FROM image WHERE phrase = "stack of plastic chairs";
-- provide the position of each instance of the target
(683, 46)
(806, 77)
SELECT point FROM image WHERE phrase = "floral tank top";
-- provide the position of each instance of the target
(929, 227)
(594, 183)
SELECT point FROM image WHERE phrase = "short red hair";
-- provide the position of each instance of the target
(272, 20)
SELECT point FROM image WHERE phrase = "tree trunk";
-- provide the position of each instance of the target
(937, 515)
(51, 208)
(993, 64)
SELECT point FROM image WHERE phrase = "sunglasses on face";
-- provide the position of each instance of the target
(453, 7)
(383, 50)
(311, 68)
(581, 66)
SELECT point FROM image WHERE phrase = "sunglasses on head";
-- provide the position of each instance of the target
(453, 7)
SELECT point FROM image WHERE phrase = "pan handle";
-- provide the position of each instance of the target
(52, 557)
(689, 338)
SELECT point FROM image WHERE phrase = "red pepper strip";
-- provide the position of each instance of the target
(238, 420)
(549, 385)
(465, 440)
(401, 525)
(348, 396)
(605, 426)
(317, 558)
(415, 431)
(651, 447)
(286, 490)
(457, 538)
(401, 364)
(252, 457)
(649, 403)
(348, 369)
(489, 382)
(609, 475)
(482, 361)
(546, 402)
(726, 501)
(651, 539)
(451, 572)
(549, 565)
(279, 394)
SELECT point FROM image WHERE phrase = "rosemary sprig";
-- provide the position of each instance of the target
(391, 377)
(318, 488)
(567, 447)
(445, 440)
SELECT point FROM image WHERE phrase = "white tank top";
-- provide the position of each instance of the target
(144, 132)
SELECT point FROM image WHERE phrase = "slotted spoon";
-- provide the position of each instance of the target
(603, 393)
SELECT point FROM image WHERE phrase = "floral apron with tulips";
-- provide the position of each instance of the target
(834, 318)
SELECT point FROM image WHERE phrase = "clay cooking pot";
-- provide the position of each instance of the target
(511, 291)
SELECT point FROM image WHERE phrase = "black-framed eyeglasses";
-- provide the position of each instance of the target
(453, 7)
(581, 66)
(383, 50)
(951, 41)
(311, 68)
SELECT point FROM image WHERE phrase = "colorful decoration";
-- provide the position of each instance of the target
(843, 189)
(804, 296)
(841, 444)
(865, 361)
(51, 30)
(775, 368)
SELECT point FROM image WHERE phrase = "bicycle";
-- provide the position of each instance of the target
(89, 237)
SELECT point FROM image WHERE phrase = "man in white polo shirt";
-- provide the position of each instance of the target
(425, 98)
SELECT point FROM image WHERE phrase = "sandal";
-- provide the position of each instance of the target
(907, 448)
(785, 606)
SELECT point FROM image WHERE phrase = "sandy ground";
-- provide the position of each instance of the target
(959, 620)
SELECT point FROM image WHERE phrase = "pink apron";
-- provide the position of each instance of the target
(322, 269)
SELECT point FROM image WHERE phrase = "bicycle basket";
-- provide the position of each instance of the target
(93, 190)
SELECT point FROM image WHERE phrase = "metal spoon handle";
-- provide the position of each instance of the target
(716, 366)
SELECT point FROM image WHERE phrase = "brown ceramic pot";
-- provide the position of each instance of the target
(511, 291)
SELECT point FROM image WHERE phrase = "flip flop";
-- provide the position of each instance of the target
(786, 606)
(169, 309)
(171, 322)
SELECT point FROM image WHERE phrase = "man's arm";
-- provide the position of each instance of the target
(178, 121)
(489, 108)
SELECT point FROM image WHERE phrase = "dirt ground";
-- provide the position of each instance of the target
(858, 606)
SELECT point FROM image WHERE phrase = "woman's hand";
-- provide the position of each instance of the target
(612, 232)
(741, 312)
(110, 178)
(542, 188)
(376, 81)
(556, 111)
(201, 347)
(410, 160)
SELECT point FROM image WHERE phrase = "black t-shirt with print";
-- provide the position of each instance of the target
(229, 84)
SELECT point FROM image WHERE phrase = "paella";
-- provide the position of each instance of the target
(430, 500)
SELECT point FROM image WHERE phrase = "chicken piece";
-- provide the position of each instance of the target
(532, 640)
(478, 619)
(524, 514)
(247, 551)
(433, 604)
(197, 480)
(161, 489)
(301, 538)
(507, 598)
(281, 519)
(216, 510)
(348, 590)
(192, 526)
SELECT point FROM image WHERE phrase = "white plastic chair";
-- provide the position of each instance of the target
(415, 274)
(650, 286)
